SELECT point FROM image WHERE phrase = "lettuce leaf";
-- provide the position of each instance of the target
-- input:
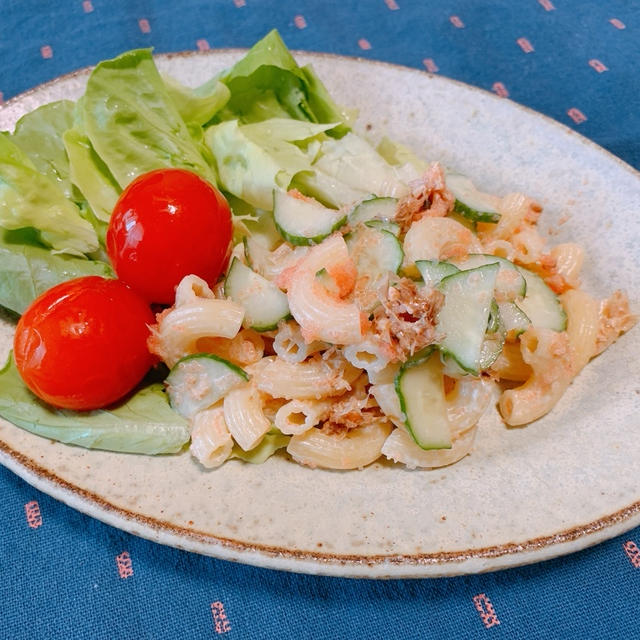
(39, 135)
(272, 441)
(143, 423)
(254, 159)
(29, 198)
(399, 154)
(355, 162)
(132, 121)
(407, 164)
(324, 107)
(29, 270)
(273, 131)
(199, 105)
(90, 174)
(248, 170)
(268, 83)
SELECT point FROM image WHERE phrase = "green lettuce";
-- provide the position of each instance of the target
(268, 83)
(355, 162)
(324, 107)
(199, 105)
(400, 155)
(29, 270)
(90, 174)
(271, 442)
(143, 423)
(29, 198)
(272, 132)
(39, 135)
(244, 168)
(254, 159)
(133, 123)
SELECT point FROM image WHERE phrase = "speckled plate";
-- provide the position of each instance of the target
(561, 484)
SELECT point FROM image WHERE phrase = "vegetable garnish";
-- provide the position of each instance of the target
(167, 224)
(83, 343)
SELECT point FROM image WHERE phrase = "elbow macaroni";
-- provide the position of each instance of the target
(326, 378)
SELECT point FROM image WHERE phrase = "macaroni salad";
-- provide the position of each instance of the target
(387, 337)
(335, 296)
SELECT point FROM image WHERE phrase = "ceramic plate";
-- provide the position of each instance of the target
(568, 481)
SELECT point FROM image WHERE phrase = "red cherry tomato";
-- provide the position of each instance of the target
(168, 224)
(83, 343)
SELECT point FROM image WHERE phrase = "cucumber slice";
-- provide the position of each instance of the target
(465, 222)
(493, 323)
(391, 227)
(255, 253)
(264, 304)
(198, 381)
(464, 315)
(491, 349)
(263, 230)
(432, 271)
(303, 222)
(419, 386)
(510, 283)
(493, 339)
(326, 189)
(471, 203)
(514, 319)
(375, 251)
(541, 305)
(374, 209)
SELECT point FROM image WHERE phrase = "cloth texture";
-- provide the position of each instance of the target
(66, 576)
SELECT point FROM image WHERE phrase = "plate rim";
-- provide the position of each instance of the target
(418, 565)
(422, 565)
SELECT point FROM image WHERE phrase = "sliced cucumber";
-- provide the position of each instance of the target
(263, 230)
(303, 222)
(471, 203)
(419, 385)
(541, 305)
(510, 283)
(432, 271)
(198, 381)
(264, 304)
(491, 349)
(465, 222)
(375, 251)
(493, 323)
(391, 227)
(374, 209)
(464, 315)
(493, 338)
(514, 319)
(255, 252)
(326, 189)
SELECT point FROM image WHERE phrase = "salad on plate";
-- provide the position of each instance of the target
(238, 269)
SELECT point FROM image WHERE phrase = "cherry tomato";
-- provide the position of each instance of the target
(168, 224)
(83, 343)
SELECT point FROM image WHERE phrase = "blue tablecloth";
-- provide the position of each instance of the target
(64, 575)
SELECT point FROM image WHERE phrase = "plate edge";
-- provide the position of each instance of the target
(439, 564)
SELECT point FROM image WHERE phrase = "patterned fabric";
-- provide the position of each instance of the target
(67, 576)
